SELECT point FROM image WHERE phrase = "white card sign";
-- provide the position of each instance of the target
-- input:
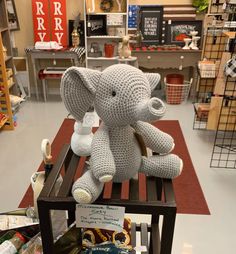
(99, 216)
(91, 119)
(114, 20)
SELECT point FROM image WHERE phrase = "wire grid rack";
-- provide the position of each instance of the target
(214, 46)
(177, 93)
(224, 149)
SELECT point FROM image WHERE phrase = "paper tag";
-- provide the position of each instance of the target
(140, 249)
(99, 216)
(91, 119)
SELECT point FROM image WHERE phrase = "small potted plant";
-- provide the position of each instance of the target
(201, 6)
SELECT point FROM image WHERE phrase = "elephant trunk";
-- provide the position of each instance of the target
(150, 110)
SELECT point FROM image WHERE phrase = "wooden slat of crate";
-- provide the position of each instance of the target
(144, 236)
(133, 234)
(142, 187)
(116, 191)
(69, 177)
(125, 190)
(107, 190)
(152, 189)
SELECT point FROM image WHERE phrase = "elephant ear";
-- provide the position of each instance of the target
(78, 88)
(154, 79)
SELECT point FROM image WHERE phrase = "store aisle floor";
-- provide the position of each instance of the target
(20, 156)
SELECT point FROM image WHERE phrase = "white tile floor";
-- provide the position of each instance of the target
(194, 234)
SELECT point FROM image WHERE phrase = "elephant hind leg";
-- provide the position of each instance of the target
(87, 188)
(167, 166)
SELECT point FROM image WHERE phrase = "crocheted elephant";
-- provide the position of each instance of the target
(121, 95)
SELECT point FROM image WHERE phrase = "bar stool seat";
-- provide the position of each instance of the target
(47, 76)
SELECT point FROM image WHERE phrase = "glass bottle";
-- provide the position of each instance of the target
(12, 245)
(75, 38)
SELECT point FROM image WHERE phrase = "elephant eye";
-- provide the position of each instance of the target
(113, 93)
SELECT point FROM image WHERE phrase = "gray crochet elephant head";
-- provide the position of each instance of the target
(121, 94)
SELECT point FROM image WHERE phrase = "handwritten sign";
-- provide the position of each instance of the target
(99, 216)
(91, 119)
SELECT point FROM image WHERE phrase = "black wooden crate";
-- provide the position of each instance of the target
(146, 195)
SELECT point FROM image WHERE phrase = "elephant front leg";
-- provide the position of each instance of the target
(167, 166)
(87, 188)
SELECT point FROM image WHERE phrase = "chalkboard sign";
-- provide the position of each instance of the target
(151, 24)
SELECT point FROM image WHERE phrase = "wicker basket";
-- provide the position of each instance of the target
(207, 69)
(177, 93)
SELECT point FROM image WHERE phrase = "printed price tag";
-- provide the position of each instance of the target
(91, 119)
(99, 216)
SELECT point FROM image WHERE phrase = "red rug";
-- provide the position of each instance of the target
(189, 196)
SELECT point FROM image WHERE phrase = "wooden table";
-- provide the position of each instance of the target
(167, 59)
(150, 61)
(35, 55)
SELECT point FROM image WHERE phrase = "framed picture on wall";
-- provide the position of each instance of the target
(96, 25)
(12, 15)
(80, 30)
(151, 23)
(177, 30)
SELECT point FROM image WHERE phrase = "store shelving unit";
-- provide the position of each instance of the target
(92, 8)
(211, 90)
(7, 71)
(6, 116)
(6, 40)
(215, 105)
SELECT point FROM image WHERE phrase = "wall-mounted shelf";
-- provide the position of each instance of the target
(113, 29)
(106, 13)
(3, 29)
(5, 104)
(8, 58)
(104, 37)
(103, 58)
(7, 80)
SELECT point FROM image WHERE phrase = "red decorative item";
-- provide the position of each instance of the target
(50, 25)
(109, 50)
(41, 20)
(175, 79)
(58, 22)
(173, 90)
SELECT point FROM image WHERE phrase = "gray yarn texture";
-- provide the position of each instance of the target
(121, 97)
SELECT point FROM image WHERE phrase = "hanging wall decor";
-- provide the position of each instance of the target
(50, 23)
(106, 5)
(96, 25)
(151, 24)
(177, 31)
(58, 21)
(12, 15)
